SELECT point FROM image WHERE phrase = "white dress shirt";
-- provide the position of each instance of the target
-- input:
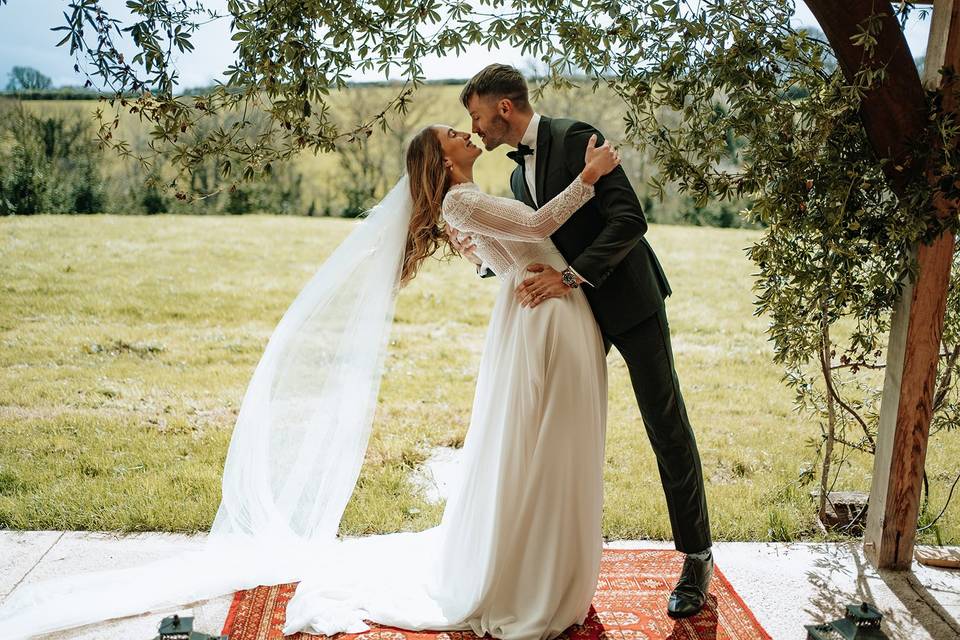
(530, 167)
(530, 161)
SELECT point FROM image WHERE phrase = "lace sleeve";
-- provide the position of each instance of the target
(509, 219)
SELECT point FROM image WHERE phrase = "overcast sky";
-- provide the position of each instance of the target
(26, 40)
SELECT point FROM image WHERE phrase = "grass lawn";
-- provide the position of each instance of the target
(127, 343)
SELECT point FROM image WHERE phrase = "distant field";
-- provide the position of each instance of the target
(437, 104)
(127, 343)
(323, 175)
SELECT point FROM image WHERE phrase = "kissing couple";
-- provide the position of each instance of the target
(517, 552)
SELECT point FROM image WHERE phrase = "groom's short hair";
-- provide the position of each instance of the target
(498, 81)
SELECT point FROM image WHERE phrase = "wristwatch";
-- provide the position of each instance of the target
(568, 278)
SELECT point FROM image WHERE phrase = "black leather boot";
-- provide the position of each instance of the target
(690, 594)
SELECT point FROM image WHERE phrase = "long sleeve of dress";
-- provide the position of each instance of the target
(508, 219)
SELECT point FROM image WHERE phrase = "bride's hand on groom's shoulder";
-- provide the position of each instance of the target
(599, 161)
(464, 246)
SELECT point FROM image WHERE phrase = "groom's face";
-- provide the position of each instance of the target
(487, 121)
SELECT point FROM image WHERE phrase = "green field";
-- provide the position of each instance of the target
(127, 343)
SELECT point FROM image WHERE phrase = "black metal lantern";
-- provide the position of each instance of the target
(177, 628)
(862, 622)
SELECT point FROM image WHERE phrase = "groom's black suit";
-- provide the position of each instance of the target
(604, 243)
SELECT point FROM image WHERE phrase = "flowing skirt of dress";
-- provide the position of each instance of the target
(517, 553)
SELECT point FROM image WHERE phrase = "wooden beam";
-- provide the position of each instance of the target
(894, 116)
(913, 353)
(893, 112)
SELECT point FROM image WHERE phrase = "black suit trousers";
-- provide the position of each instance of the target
(646, 349)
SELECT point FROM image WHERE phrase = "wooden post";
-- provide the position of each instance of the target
(894, 115)
(912, 356)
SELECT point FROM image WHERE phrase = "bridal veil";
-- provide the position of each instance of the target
(295, 454)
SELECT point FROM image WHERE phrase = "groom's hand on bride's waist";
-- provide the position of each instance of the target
(548, 283)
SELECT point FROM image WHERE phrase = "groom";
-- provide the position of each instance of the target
(608, 256)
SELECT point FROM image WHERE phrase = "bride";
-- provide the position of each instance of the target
(517, 552)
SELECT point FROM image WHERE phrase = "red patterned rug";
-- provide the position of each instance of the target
(630, 604)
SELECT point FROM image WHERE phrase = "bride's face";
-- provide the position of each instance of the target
(457, 146)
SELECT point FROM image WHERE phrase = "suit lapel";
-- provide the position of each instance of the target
(520, 189)
(543, 153)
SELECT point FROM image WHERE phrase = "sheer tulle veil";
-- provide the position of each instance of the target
(295, 454)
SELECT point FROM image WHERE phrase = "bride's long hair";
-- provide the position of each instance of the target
(429, 183)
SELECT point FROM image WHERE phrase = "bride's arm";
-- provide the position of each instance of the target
(510, 219)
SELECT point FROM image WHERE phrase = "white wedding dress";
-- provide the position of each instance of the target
(518, 549)
(517, 553)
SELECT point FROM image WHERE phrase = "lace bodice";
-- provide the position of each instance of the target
(507, 232)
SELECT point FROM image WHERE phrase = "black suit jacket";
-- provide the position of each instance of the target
(603, 241)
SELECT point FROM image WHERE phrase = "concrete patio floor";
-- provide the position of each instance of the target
(785, 585)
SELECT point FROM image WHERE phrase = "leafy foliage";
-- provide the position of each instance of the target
(51, 165)
(27, 79)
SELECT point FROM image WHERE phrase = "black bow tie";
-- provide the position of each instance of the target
(517, 156)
